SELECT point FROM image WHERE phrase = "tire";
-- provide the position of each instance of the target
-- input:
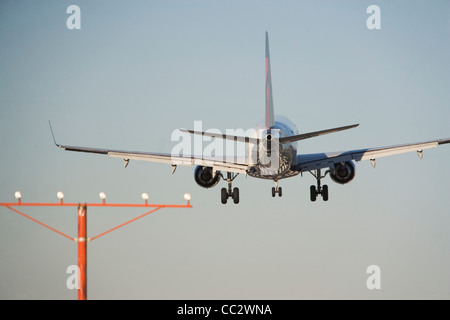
(236, 195)
(273, 192)
(224, 195)
(325, 193)
(280, 192)
(313, 192)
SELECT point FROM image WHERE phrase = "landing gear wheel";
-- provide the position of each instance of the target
(229, 192)
(276, 189)
(235, 195)
(322, 190)
(224, 195)
(325, 192)
(313, 192)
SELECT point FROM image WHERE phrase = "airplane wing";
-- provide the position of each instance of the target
(234, 164)
(308, 162)
(220, 163)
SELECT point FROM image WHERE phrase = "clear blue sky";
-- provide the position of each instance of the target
(135, 72)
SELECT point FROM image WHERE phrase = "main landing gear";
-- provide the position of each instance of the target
(230, 192)
(322, 190)
(276, 189)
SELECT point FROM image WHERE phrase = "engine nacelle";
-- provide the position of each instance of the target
(343, 172)
(205, 178)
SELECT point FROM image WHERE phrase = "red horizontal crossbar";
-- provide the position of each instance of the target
(126, 205)
(121, 205)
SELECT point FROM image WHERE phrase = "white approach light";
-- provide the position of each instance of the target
(187, 196)
(60, 195)
(102, 195)
(144, 196)
(18, 195)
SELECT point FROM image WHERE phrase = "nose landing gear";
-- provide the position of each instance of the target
(277, 189)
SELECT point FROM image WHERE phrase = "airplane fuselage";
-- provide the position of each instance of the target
(275, 164)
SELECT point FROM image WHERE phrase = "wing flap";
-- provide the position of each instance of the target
(218, 163)
(389, 151)
(152, 157)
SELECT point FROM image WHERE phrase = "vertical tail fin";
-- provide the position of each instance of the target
(270, 121)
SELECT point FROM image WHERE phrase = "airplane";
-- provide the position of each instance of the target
(271, 154)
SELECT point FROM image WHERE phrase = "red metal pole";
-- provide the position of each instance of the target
(82, 252)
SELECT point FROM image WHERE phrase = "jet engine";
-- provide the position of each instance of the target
(343, 172)
(205, 178)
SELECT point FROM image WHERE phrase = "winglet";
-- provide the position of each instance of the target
(51, 129)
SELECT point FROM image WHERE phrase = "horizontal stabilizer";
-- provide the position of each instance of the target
(222, 136)
(314, 134)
